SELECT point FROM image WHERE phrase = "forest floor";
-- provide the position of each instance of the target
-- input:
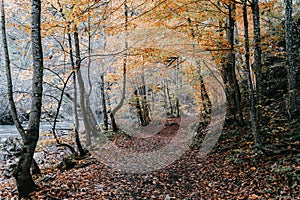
(232, 170)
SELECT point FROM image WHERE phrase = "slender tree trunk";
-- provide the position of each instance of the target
(8, 76)
(104, 109)
(59, 106)
(257, 58)
(118, 107)
(76, 118)
(290, 59)
(25, 183)
(177, 88)
(16, 120)
(168, 98)
(138, 107)
(145, 105)
(82, 90)
(113, 122)
(165, 99)
(206, 103)
(95, 129)
(89, 57)
(255, 129)
(234, 90)
(228, 66)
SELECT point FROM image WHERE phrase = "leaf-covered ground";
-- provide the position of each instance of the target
(231, 171)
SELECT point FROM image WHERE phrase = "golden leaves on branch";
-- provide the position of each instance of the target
(69, 14)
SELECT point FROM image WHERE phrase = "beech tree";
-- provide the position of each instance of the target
(22, 174)
(10, 92)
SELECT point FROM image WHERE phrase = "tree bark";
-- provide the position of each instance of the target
(76, 118)
(16, 120)
(59, 106)
(206, 102)
(82, 90)
(8, 75)
(290, 59)
(25, 183)
(118, 107)
(104, 109)
(233, 90)
(255, 129)
(257, 58)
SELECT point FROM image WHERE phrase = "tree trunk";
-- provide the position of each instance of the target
(177, 88)
(59, 106)
(138, 107)
(206, 103)
(257, 58)
(118, 107)
(113, 122)
(233, 90)
(8, 76)
(255, 129)
(232, 60)
(16, 120)
(144, 104)
(95, 130)
(168, 99)
(76, 118)
(25, 183)
(82, 91)
(104, 109)
(290, 59)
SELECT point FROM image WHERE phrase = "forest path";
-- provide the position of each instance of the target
(228, 172)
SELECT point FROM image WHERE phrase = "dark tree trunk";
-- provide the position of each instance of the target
(255, 129)
(206, 103)
(177, 88)
(168, 101)
(35, 168)
(104, 109)
(141, 105)
(59, 106)
(25, 183)
(290, 59)
(257, 58)
(17, 122)
(76, 118)
(229, 75)
(113, 122)
(138, 107)
(82, 92)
